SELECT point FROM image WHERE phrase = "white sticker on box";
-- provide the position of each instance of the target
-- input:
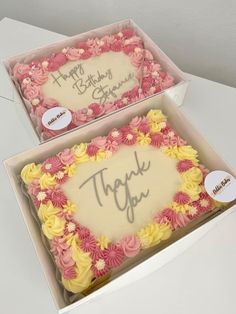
(221, 186)
(56, 118)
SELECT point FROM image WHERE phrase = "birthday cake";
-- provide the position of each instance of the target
(91, 79)
(104, 202)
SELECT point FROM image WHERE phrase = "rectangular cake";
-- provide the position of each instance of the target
(72, 86)
(103, 203)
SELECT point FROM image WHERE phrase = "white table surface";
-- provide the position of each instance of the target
(202, 280)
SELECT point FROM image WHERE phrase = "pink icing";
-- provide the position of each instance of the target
(39, 76)
(50, 103)
(66, 156)
(58, 198)
(131, 245)
(135, 122)
(88, 244)
(128, 32)
(115, 135)
(31, 91)
(58, 245)
(113, 255)
(20, 71)
(184, 165)
(92, 150)
(169, 216)
(157, 139)
(97, 109)
(69, 273)
(99, 272)
(34, 188)
(64, 260)
(99, 141)
(52, 165)
(204, 203)
(73, 54)
(129, 138)
(181, 198)
(83, 232)
(112, 146)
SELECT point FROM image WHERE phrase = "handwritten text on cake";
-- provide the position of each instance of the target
(92, 83)
(120, 189)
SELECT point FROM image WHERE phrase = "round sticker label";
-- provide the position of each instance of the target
(221, 186)
(56, 118)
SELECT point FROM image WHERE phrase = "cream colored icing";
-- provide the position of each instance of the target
(161, 179)
(117, 62)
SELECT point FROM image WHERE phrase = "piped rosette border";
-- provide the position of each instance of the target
(79, 255)
(31, 77)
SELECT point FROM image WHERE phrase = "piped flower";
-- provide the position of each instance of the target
(52, 165)
(114, 255)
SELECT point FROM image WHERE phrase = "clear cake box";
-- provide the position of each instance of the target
(63, 119)
(158, 255)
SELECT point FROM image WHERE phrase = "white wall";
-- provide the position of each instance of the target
(199, 35)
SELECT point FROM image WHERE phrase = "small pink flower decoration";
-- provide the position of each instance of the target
(157, 139)
(131, 245)
(58, 245)
(34, 188)
(112, 146)
(88, 244)
(115, 135)
(20, 71)
(99, 141)
(181, 198)
(67, 157)
(92, 150)
(58, 198)
(72, 54)
(83, 232)
(184, 165)
(64, 260)
(52, 165)
(31, 91)
(69, 273)
(113, 255)
(129, 138)
(204, 204)
(39, 76)
(99, 266)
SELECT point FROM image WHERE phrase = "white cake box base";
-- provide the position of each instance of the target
(185, 129)
(177, 92)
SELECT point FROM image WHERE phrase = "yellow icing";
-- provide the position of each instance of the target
(53, 226)
(30, 172)
(80, 153)
(143, 139)
(47, 181)
(69, 208)
(103, 242)
(192, 189)
(100, 155)
(155, 126)
(47, 210)
(156, 116)
(153, 233)
(180, 208)
(81, 282)
(187, 152)
(70, 170)
(193, 175)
